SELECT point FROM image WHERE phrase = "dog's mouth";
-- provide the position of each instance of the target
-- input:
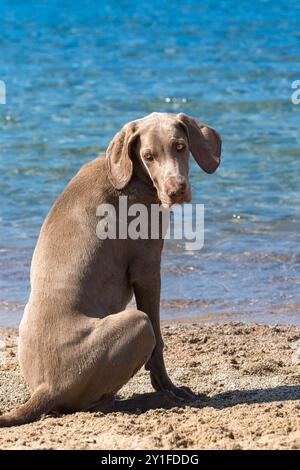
(168, 202)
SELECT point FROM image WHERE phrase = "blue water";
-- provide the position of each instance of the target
(76, 71)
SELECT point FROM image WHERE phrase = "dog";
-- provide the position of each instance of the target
(78, 344)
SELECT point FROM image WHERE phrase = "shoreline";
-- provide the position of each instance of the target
(10, 319)
(247, 376)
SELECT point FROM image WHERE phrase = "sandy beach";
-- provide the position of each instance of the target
(247, 377)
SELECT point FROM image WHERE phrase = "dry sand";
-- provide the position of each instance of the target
(250, 375)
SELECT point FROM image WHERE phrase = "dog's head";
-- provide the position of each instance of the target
(157, 149)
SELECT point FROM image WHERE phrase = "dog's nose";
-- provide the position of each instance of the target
(176, 186)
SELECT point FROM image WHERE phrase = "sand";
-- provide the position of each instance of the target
(247, 377)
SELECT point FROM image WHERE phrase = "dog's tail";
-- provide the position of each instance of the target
(39, 403)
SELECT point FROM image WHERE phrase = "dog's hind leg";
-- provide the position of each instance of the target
(118, 347)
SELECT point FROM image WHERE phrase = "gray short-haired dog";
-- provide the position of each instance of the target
(78, 344)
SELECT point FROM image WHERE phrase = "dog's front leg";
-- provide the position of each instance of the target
(147, 294)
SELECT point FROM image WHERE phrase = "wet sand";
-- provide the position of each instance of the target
(247, 377)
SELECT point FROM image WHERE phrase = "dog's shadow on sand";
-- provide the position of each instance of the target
(157, 400)
(231, 398)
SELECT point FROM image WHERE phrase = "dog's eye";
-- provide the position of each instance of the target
(180, 147)
(148, 157)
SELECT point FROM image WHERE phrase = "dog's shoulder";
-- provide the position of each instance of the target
(98, 165)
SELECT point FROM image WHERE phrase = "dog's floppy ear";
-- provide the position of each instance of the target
(204, 142)
(118, 156)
